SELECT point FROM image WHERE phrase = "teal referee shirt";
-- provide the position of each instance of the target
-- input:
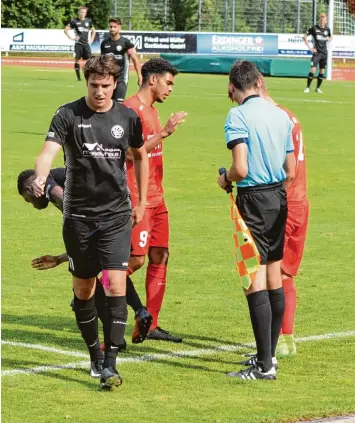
(267, 132)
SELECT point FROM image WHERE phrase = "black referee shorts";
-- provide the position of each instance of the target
(319, 59)
(264, 210)
(82, 51)
(95, 246)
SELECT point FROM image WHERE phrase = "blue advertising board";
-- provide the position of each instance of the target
(246, 44)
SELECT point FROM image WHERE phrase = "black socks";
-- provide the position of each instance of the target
(260, 316)
(77, 71)
(86, 318)
(117, 309)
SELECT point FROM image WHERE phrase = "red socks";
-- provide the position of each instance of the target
(155, 287)
(288, 322)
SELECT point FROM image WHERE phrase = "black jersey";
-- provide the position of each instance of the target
(118, 49)
(81, 29)
(55, 178)
(95, 146)
(320, 38)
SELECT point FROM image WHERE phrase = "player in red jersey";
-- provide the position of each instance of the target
(296, 230)
(151, 236)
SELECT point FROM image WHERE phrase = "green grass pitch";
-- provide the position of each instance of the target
(204, 302)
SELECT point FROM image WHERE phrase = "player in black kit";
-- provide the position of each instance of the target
(122, 50)
(95, 133)
(81, 27)
(321, 35)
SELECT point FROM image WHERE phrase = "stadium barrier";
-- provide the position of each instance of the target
(221, 64)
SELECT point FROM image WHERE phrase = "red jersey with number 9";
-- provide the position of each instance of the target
(151, 126)
(297, 190)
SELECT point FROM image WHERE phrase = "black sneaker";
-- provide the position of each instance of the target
(96, 368)
(251, 361)
(143, 321)
(159, 334)
(110, 379)
(255, 372)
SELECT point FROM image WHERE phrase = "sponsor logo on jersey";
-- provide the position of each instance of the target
(97, 151)
(107, 46)
(117, 131)
(82, 125)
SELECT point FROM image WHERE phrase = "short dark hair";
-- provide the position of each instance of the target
(244, 75)
(24, 180)
(115, 20)
(104, 66)
(157, 67)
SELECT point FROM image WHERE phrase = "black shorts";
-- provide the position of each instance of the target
(96, 246)
(119, 92)
(82, 51)
(319, 59)
(264, 210)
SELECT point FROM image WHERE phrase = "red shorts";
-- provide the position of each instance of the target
(296, 230)
(152, 231)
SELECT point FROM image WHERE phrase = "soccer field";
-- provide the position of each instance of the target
(45, 366)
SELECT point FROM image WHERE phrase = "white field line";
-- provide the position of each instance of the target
(149, 357)
(211, 95)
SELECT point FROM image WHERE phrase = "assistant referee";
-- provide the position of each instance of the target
(259, 134)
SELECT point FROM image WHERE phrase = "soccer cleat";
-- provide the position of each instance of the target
(110, 379)
(306, 90)
(255, 372)
(96, 368)
(72, 305)
(290, 342)
(143, 321)
(251, 361)
(159, 334)
(319, 91)
(282, 348)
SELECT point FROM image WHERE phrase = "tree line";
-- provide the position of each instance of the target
(172, 15)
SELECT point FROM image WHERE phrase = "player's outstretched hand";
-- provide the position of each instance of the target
(137, 214)
(173, 122)
(38, 186)
(44, 262)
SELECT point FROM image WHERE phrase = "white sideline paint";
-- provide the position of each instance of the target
(148, 357)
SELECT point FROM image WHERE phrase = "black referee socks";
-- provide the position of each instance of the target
(260, 316)
(277, 303)
(309, 79)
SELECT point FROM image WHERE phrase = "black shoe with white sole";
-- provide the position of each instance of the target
(253, 358)
(255, 372)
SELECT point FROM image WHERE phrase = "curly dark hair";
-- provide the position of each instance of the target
(157, 67)
(104, 66)
(24, 180)
(244, 75)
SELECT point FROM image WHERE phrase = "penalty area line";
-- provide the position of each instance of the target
(150, 357)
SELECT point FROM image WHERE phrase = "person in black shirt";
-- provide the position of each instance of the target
(54, 193)
(95, 133)
(321, 35)
(81, 27)
(122, 50)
